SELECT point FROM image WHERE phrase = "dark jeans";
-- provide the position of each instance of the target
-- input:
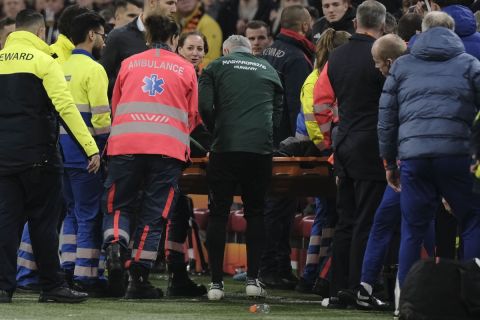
(157, 177)
(36, 194)
(357, 201)
(225, 172)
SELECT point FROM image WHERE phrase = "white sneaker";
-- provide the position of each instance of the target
(216, 291)
(255, 288)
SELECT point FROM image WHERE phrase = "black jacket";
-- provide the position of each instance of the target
(293, 62)
(357, 85)
(344, 24)
(121, 44)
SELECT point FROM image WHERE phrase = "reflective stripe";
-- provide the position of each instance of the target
(63, 131)
(68, 257)
(152, 108)
(26, 263)
(150, 127)
(103, 130)
(27, 247)
(100, 110)
(168, 204)
(310, 117)
(312, 259)
(138, 253)
(69, 239)
(301, 137)
(325, 127)
(191, 253)
(90, 272)
(84, 253)
(321, 107)
(83, 107)
(109, 233)
(144, 255)
(315, 240)
(176, 246)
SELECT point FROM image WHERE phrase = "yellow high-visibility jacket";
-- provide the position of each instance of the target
(88, 83)
(61, 50)
(33, 93)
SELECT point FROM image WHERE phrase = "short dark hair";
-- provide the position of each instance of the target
(66, 18)
(28, 18)
(7, 21)
(83, 24)
(408, 25)
(292, 17)
(123, 4)
(257, 24)
(185, 35)
(160, 28)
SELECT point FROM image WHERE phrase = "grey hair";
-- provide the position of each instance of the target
(371, 15)
(237, 43)
(437, 19)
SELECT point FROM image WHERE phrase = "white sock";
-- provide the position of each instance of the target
(367, 287)
(397, 295)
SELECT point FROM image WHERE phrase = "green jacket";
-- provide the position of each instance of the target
(240, 98)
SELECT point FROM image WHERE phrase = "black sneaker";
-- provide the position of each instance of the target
(366, 301)
(63, 295)
(303, 286)
(321, 287)
(185, 288)
(348, 297)
(97, 289)
(275, 282)
(336, 303)
(289, 281)
(29, 288)
(5, 296)
(115, 269)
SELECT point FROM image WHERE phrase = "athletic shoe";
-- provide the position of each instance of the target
(368, 301)
(62, 294)
(255, 289)
(216, 291)
(321, 288)
(139, 287)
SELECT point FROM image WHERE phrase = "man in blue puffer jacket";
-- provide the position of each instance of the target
(465, 28)
(427, 108)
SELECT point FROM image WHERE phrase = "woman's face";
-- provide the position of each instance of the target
(193, 49)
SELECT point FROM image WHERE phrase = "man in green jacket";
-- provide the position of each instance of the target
(240, 99)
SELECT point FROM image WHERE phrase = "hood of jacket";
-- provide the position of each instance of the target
(437, 44)
(465, 23)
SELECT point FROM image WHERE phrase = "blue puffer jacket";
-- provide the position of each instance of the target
(430, 99)
(465, 28)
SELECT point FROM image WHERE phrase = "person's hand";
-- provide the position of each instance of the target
(393, 179)
(93, 163)
(474, 167)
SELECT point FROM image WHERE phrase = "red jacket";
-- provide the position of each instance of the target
(154, 105)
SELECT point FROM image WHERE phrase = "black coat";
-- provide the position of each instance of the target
(357, 85)
(293, 62)
(344, 24)
(121, 44)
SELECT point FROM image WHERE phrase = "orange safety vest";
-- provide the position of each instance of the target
(154, 105)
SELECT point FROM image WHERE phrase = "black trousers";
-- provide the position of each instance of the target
(177, 231)
(36, 195)
(279, 216)
(357, 201)
(225, 173)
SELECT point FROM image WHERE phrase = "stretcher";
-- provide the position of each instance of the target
(299, 176)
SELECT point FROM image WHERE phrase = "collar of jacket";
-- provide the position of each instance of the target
(160, 45)
(345, 22)
(299, 40)
(82, 51)
(363, 37)
(133, 25)
(65, 43)
(27, 38)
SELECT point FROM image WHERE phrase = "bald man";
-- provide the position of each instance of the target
(385, 50)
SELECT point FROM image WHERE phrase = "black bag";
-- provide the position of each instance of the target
(441, 289)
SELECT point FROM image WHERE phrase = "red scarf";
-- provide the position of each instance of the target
(307, 44)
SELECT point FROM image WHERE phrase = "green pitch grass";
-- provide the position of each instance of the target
(283, 304)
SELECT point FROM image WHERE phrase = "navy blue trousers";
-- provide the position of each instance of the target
(424, 181)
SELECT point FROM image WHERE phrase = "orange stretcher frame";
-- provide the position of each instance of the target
(298, 176)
